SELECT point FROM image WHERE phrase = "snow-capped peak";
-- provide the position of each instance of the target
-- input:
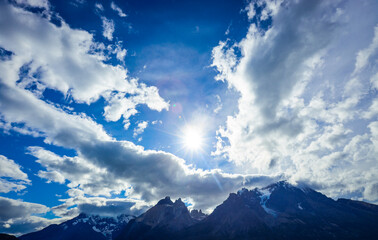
(104, 225)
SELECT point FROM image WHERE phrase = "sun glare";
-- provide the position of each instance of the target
(192, 139)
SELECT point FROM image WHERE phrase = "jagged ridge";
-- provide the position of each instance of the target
(278, 211)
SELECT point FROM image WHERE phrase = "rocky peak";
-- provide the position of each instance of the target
(179, 203)
(167, 214)
(279, 185)
(167, 200)
(197, 215)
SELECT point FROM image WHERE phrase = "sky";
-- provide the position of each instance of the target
(108, 106)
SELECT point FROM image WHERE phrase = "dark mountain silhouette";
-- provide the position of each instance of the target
(278, 211)
(161, 221)
(4, 236)
(282, 211)
(82, 227)
(197, 215)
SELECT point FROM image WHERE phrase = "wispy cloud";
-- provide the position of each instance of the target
(108, 26)
(117, 9)
(99, 7)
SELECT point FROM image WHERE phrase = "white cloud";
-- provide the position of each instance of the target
(77, 3)
(77, 204)
(119, 106)
(8, 168)
(219, 104)
(104, 165)
(374, 81)
(34, 3)
(140, 128)
(108, 28)
(52, 176)
(120, 53)
(157, 122)
(364, 55)
(99, 7)
(18, 217)
(148, 175)
(11, 209)
(117, 9)
(9, 186)
(12, 178)
(372, 111)
(300, 106)
(290, 123)
(61, 56)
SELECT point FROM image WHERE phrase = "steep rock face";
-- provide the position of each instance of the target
(283, 211)
(278, 211)
(82, 227)
(166, 214)
(240, 214)
(197, 215)
(159, 222)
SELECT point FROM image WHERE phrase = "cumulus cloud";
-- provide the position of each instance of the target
(120, 53)
(56, 57)
(301, 90)
(112, 167)
(103, 165)
(17, 209)
(295, 105)
(119, 106)
(364, 55)
(117, 9)
(140, 128)
(8, 168)
(18, 217)
(34, 3)
(12, 178)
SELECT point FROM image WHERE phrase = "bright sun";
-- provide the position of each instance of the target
(192, 139)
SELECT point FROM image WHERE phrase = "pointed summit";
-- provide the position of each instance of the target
(284, 211)
(166, 200)
(198, 215)
(160, 220)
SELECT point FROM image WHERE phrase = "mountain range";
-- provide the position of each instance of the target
(278, 211)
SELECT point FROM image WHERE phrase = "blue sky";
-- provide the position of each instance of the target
(108, 106)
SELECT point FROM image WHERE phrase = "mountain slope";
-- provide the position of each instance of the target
(278, 211)
(82, 227)
(160, 222)
(4, 236)
(282, 211)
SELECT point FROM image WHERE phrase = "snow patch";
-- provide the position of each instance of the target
(299, 206)
(265, 195)
(304, 189)
(95, 229)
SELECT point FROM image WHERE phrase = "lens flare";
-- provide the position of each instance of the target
(192, 138)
